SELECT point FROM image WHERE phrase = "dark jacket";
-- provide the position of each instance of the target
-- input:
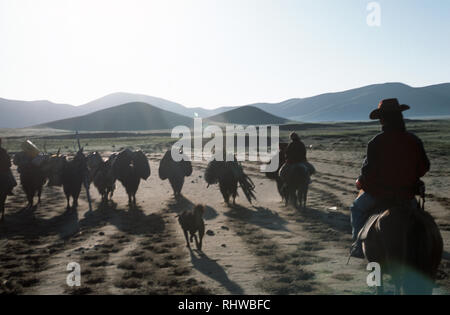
(395, 161)
(5, 161)
(296, 152)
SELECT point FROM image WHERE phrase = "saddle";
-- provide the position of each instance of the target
(368, 226)
(380, 211)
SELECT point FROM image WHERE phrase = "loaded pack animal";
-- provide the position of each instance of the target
(129, 168)
(7, 180)
(69, 174)
(406, 242)
(32, 176)
(191, 221)
(228, 173)
(101, 174)
(174, 171)
(3, 196)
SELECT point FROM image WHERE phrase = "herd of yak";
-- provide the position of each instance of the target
(129, 168)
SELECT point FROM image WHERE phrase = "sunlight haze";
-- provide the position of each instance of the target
(212, 53)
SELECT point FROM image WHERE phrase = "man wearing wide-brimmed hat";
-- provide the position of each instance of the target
(395, 161)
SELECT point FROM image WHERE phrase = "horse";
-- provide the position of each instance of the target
(174, 171)
(295, 185)
(406, 242)
(129, 168)
(100, 172)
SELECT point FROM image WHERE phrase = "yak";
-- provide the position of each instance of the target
(32, 176)
(174, 171)
(101, 174)
(129, 168)
(69, 174)
(228, 173)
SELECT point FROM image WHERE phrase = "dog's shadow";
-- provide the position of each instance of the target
(212, 269)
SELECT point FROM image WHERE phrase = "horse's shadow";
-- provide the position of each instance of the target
(262, 217)
(213, 270)
(335, 220)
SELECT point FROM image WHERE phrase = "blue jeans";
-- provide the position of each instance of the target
(358, 212)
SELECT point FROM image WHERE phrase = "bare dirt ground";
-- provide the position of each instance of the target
(265, 248)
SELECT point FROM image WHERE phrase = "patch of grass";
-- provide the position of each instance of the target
(102, 263)
(28, 282)
(94, 280)
(83, 290)
(127, 265)
(343, 277)
(131, 283)
(133, 274)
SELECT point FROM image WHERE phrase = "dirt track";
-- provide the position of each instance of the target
(261, 249)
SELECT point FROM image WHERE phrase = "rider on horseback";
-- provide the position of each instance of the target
(395, 161)
(295, 154)
(6, 177)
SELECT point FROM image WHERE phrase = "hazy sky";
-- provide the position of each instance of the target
(216, 52)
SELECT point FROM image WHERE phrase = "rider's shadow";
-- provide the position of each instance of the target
(262, 217)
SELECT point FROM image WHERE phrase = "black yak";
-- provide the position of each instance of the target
(7, 181)
(3, 196)
(69, 174)
(32, 176)
(100, 172)
(228, 174)
(174, 171)
(129, 168)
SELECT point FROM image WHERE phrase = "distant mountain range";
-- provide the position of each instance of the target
(356, 104)
(351, 105)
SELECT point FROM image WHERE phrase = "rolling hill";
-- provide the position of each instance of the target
(356, 104)
(115, 99)
(247, 115)
(127, 117)
(18, 114)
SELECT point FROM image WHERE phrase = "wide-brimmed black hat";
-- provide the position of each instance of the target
(386, 106)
